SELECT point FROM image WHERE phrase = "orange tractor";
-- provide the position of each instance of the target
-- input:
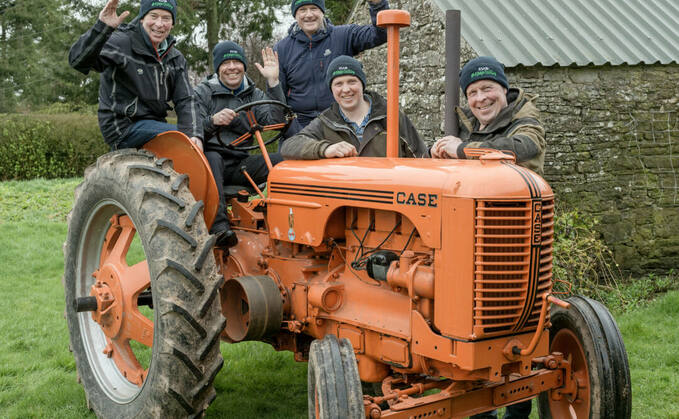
(430, 279)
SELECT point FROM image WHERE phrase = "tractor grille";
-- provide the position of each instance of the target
(513, 264)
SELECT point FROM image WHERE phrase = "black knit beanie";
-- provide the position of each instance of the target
(228, 50)
(482, 68)
(345, 66)
(296, 4)
(169, 5)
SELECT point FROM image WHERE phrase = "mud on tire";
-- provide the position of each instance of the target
(187, 320)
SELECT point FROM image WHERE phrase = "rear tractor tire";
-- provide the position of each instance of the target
(587, 334)
(334, 386)
(131, 363)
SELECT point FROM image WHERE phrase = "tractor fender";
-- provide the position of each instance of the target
(190, 161)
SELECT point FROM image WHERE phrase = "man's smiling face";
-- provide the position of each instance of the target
(157, 24)
(486, 99)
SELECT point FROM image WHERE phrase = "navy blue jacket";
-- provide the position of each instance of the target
(303, 61)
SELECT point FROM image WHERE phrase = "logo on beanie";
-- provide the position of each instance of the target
(483, 72)
(233, 55)
(162, 3)
(298, 2)
(343, 71)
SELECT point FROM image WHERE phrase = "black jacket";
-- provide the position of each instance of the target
(330, 128)
(135, 83)
(212, 97)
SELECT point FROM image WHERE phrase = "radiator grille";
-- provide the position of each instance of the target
(505, 280)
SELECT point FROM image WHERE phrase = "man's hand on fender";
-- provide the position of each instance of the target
(338, 150)
(446, 148)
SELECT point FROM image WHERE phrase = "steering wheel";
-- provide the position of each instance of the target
(256, 129)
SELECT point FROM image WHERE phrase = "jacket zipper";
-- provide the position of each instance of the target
(155, 70)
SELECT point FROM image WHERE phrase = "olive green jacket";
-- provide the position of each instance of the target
(517, 128)
(330, 128)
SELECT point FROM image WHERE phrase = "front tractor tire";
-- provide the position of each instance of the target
(150, 362)
(589, 338)
(334, 386)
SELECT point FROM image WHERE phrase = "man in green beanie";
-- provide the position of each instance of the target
(141, 72)
(218, 95)
(501, 118)
(355, 125)
(498, 117)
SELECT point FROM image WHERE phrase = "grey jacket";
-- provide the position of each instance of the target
(135, 82)
(517, 128)
(212, 97)
(330, 128)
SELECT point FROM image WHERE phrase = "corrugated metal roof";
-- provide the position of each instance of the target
(567, 32)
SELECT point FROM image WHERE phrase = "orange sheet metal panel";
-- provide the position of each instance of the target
(385, 184)
(188, 159)
(454, 266)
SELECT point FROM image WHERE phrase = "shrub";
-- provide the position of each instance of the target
(583, 264)
(48, 145)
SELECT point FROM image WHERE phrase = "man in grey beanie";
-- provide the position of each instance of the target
(498, 117)
(141, 72)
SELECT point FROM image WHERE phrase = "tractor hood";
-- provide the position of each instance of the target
(303, 194)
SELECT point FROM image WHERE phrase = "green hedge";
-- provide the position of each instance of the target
(48, 145)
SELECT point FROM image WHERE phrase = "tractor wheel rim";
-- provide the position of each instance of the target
(578, 405)
(113, 362)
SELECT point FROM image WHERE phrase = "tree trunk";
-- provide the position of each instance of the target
(212, 29)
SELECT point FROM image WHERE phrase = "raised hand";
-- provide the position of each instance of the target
(342, 149)
(109, 14)
(270, 68)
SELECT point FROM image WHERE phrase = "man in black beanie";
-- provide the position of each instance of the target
(312, 43)
(141, 72)
(218, 95)
(498, 117)
(355, 125)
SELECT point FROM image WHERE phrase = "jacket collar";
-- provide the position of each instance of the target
(378, 111)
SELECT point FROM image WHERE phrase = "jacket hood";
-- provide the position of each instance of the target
(519, 105)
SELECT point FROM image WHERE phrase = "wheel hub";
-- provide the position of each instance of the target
(109, 302)
(573, 400)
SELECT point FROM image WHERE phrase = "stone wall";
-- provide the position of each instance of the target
(612, 134)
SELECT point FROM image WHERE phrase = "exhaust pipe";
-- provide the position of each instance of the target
(393, 21)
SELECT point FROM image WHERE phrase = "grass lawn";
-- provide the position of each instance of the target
(37, 372)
